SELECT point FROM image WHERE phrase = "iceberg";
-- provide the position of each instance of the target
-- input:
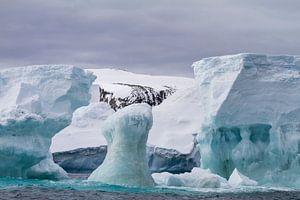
(197, 178)
(126, 133)
(36, 102)
(251, 116)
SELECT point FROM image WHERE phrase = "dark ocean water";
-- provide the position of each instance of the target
(26, 193)
(78, 188)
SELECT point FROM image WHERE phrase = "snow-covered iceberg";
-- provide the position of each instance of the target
(251, 108)
(126, 133)
(36, 102)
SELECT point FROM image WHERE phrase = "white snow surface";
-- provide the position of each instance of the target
(174, 119)
(107, 77)
(36, 102)
(251, 81)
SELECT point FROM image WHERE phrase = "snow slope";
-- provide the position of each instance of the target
(174, 119)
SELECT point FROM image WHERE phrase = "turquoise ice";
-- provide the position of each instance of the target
(126, 132)
(36, 102)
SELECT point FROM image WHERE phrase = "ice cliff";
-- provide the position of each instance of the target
(36, 102)
(251, 108)
(126, 133)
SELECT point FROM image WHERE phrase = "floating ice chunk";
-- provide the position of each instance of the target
(197, 178)
(238, 179)
(126, 133)
(36, 102)
(46, 169)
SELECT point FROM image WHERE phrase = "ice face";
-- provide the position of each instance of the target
(252, 111)
(36, 102)
(126, 133)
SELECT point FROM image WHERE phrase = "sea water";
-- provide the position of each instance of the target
(83, 185)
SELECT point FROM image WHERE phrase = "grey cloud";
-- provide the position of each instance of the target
(147, 36)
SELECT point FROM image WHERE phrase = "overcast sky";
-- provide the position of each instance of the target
(153, 36)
